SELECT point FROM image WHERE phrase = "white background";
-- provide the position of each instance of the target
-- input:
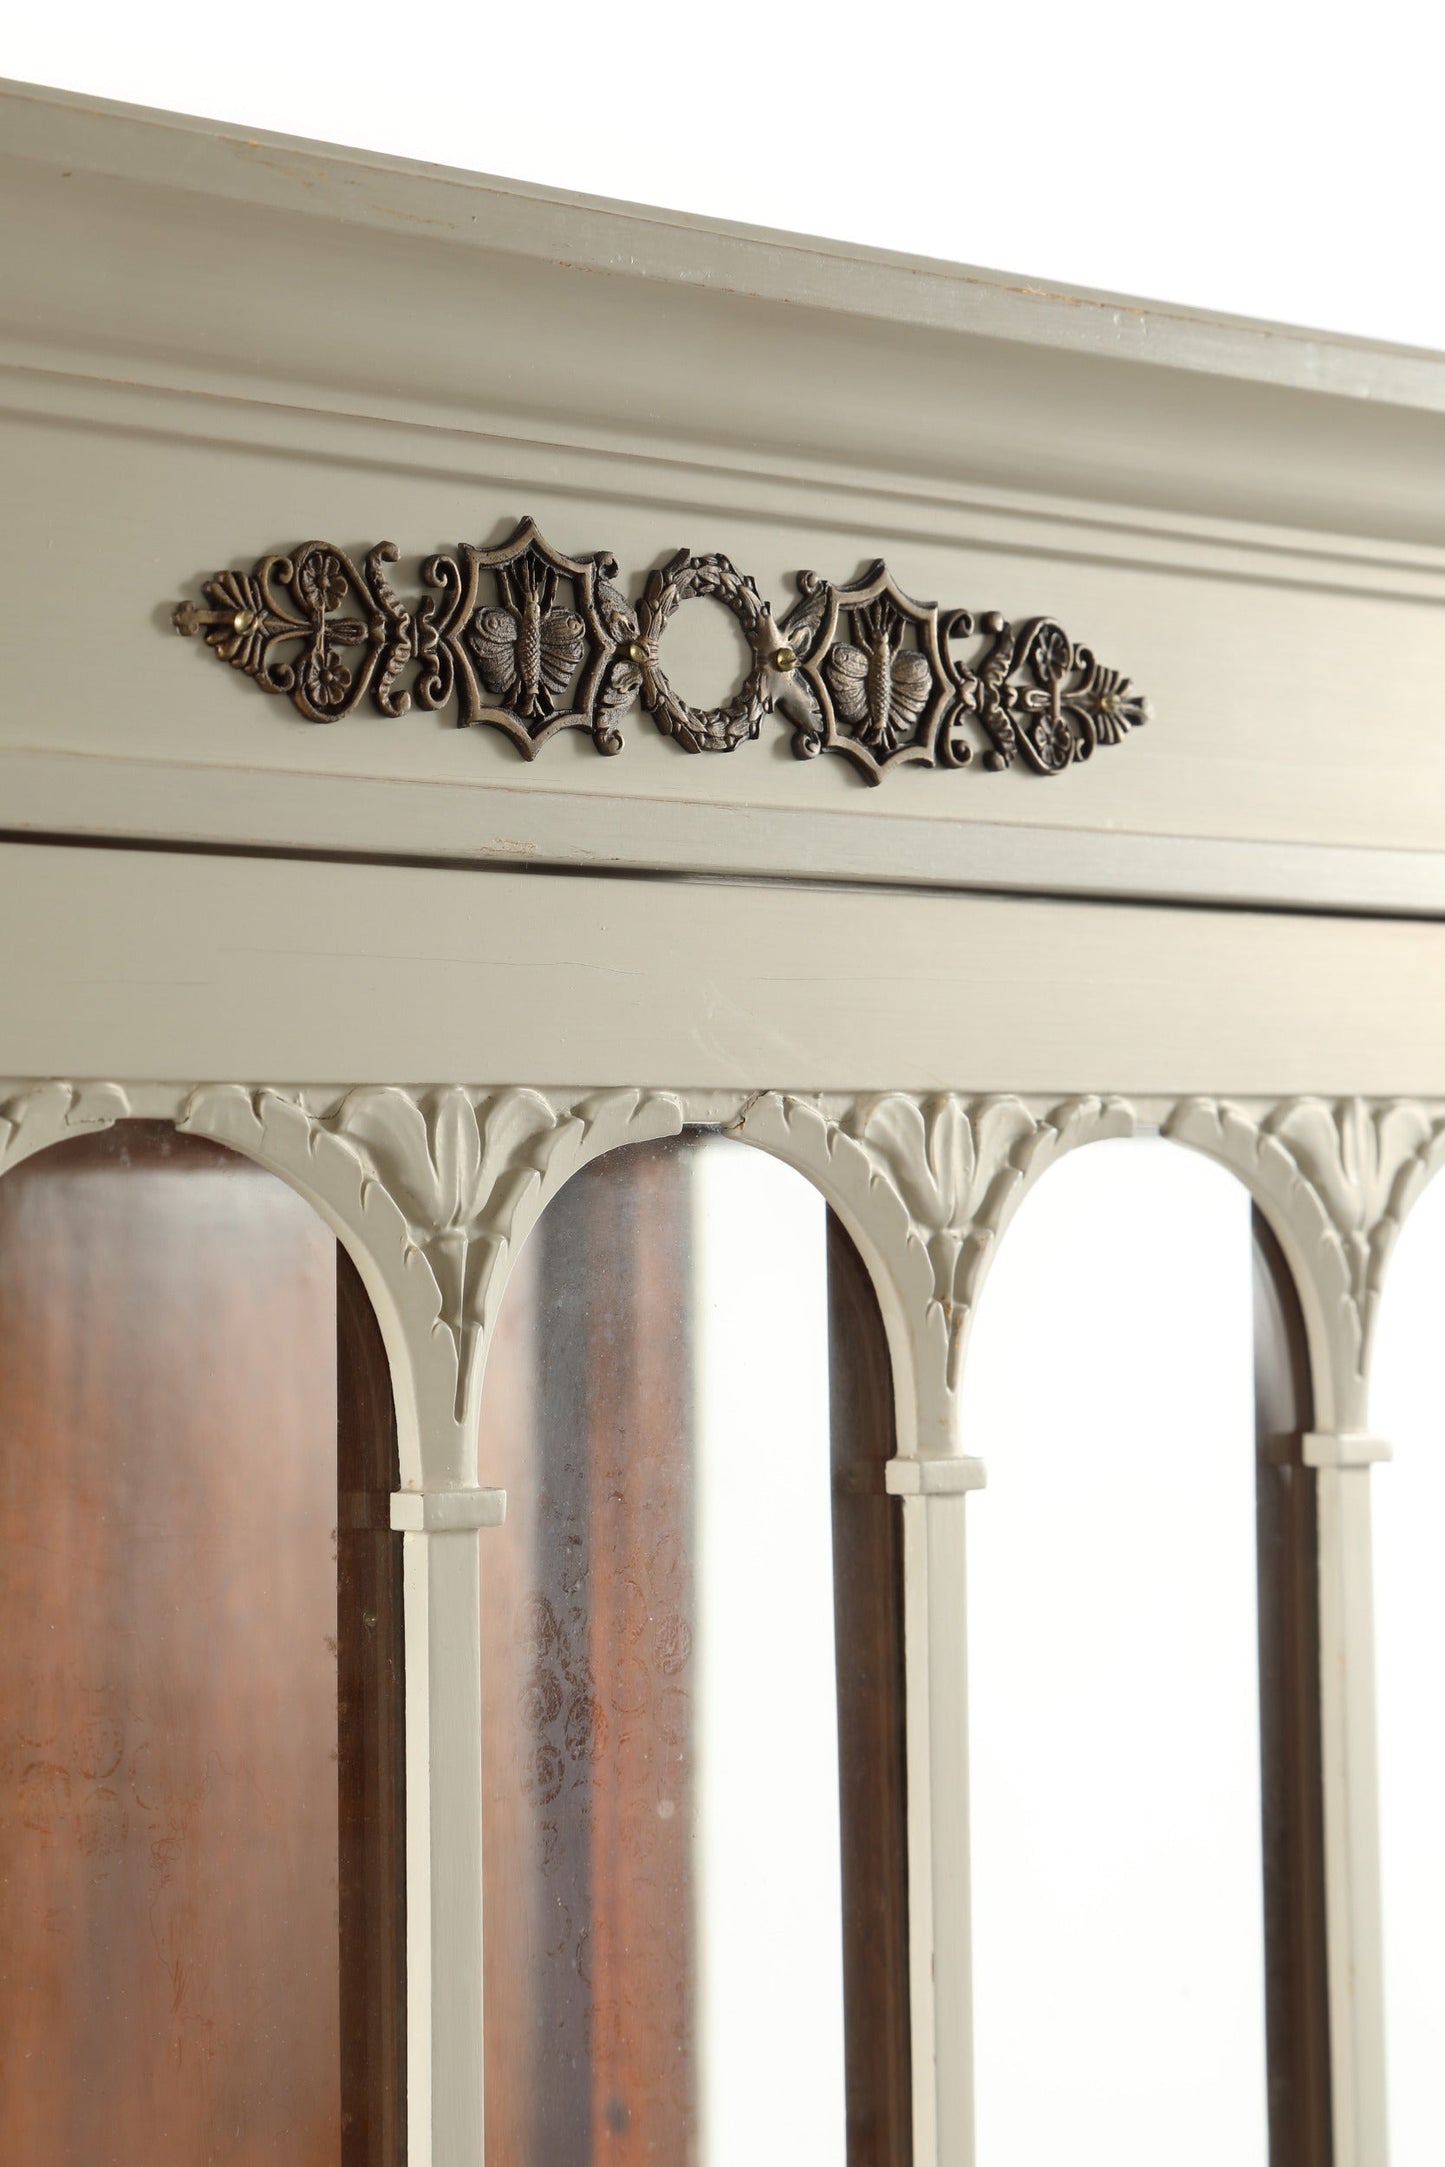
(1407, 1406)
(1113, 1673)
(1275, 158)
(767, 1864)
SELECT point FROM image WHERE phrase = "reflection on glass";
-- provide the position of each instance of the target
(767, 1867)
(666, 1931)
(1408, 1504)
(173, 1845)
(1113, 1665)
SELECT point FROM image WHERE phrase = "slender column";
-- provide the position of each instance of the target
(441, 1577)
(1351, 1806)
(926, 1188)
(940, 1940)
(1335, 1179)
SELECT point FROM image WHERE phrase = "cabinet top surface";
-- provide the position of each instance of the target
(218, 342)
(487, 213)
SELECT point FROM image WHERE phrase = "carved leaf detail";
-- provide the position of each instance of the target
(49, 1112)
(930, 1184)
(1336, 1178)
(961, 1168)
(805, 620)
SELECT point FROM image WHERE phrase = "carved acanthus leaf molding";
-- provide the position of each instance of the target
(928, 1185)
(458, 1177)
(437, 1189)
(48, 1113)
(532, 642)
(474, 1172)
(1336, 1179)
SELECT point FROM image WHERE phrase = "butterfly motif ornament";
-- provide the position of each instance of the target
(879, 686)
(528, 647)
(529, 641)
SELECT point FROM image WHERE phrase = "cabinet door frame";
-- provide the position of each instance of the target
(413, 1181)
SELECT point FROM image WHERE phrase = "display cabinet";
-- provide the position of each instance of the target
(511, 700)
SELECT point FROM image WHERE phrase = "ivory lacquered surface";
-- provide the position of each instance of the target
(213, 345)
(425, 981)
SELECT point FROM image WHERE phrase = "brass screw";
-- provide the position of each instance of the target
(244, 620)
(1109, 705)
(637, 652)
(785, 659)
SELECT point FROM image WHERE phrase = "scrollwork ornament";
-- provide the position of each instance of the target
(530, 641)
(312, 625)
(1036, 694)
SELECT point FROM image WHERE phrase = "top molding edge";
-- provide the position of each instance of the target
(330, 183)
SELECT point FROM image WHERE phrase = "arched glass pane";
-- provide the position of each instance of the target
(200, 1697)
(687, 1402)
(1114, 1665)
(1408, 1504)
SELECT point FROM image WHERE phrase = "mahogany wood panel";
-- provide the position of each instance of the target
(371, 1744)
(588, 1716)
(587, 1637)
(873, 1800)
(168, 1702)
(1296, 2004)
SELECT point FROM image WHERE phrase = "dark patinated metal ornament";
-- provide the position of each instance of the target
(532, 642)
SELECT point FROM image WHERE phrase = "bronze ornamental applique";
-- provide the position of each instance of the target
(531, 642)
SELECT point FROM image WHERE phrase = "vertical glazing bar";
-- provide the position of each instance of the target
(941, 1969)
(1351, 1810)
(444, 1846)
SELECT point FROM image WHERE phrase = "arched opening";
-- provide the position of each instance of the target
(1407, 1498)
(1144, 1685)
(694, 1812)
(201, 1703)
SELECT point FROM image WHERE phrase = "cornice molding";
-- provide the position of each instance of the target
(483, 214)
(628, 312)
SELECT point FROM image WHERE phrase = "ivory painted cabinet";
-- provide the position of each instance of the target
(642, 686)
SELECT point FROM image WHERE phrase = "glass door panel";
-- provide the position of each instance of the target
(1408, 1509)
(200, 1698)
(695, 1945)
(1114, 1648)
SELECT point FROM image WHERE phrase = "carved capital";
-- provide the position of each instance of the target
(926, 1187)
(1335, 1179)
(440, 1187)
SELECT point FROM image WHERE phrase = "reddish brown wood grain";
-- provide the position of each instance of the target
(587, 1633)
(589, 1724)
(1296, 1984)
(371, 1743)
(872, 1788)
(168, 1695)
